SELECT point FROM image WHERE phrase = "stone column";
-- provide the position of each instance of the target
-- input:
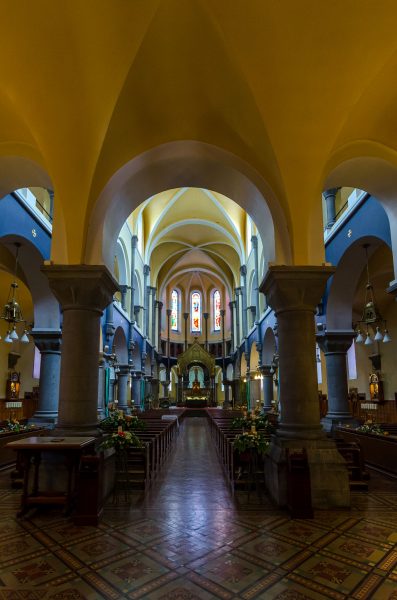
(159, 306)
(232, 308)
(185, 317)
(134, 241)
(123, 388)
(238, 329)
(48, 341)
(146, 288)
(335, 345)
(293, 293)
(254, 241)
(153, 311)
(329, 197)
(267, 388)
(243, 272)
(136, 389)
(123, 290)
(101, 386)
(206, 315)
(83, 291)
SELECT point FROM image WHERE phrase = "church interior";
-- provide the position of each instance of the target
(198, 324)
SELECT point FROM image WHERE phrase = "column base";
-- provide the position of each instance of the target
(331, 422)
(329, 479)
(43, 417)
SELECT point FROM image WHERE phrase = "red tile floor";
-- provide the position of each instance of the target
(189, 539)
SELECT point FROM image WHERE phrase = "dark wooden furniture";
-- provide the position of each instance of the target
(31, 451)
(379, 451)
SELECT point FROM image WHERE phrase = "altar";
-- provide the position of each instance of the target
(196, 369)
(197, 399)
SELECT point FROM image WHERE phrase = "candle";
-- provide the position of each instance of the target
(119, 429)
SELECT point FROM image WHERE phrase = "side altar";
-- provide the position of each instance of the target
(196, 377)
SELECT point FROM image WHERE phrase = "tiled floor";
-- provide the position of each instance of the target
(189, 540)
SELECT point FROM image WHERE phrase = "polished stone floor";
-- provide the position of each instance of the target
(190, 539)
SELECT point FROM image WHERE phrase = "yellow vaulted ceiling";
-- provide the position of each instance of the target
(193, 229)
(287, 86)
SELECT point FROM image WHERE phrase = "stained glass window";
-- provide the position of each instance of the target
(174, 310)
(217, 310)
(196, 311)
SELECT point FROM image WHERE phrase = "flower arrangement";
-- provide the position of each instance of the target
(121, 440)
(261, 422)
(117, 418)
(15, 426)
(250, 441)
(370, 427)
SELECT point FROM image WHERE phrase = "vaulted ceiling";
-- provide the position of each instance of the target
(193, 237)
(291, 88)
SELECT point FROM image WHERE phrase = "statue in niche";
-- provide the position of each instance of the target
(196, 383)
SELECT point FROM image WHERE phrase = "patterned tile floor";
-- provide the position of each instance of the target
(189, 539)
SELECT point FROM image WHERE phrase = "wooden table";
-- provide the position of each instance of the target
(30, 452)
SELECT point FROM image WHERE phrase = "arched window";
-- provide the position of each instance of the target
(174, 310)
(196, 311)
(217, 310)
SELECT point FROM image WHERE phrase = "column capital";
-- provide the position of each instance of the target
(290, 288)
(232, 304)
(243, 270)
(47, 340)
(330, 192)
(223, 312)
(124, 369)
(254, 241)
(146, 269)
(238, 291)
(159, 304)
(186, 316)
(89, 287)
(266, 370)
(134, 241)
(206, 315)
(335, 342)
(168, 312)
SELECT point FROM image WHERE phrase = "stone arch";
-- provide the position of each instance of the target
(372, 167)
(178, 164)
(122, 261)
(230, 372)
(343, 285)
(269, 346)
(45, 306)
(120, 346)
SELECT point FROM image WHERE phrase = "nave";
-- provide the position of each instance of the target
(190, 539)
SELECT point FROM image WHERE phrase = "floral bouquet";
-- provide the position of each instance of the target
(117, 418)
(370, 427)
(250, 441)
(121, 440)
(262, 422)
(15, 426)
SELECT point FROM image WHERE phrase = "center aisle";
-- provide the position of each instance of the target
(192, 481)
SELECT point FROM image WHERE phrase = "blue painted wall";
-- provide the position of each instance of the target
(16, 220)
(369, 219)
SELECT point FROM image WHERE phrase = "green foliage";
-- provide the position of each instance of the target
(250, 441)
(121, 440)
(127, 422)
(15, 426)
(261, 422)
(370, 427)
